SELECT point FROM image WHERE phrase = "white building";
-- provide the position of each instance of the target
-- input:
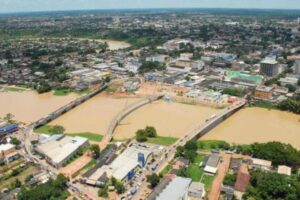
(57, 152)
(297, 67)
(177, 189)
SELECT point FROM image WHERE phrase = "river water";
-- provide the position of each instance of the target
(258, 125)
(29, 106)
(169, 119)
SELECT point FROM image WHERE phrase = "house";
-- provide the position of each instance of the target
(181, 163)
(261, 164)
(235, 164)
(263, 92)
(282, 169)
(243, 179)
(211, 166)
(196, 191)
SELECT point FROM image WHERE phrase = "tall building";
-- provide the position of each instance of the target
(297, 67)
(269, 67)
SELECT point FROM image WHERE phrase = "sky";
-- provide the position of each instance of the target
(8, 6)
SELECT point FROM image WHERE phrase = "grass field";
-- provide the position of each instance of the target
(46, 129)
(166, 141)
(211, 144)
(14, 89)
(90, 136)
(166, 170)
(66, 91)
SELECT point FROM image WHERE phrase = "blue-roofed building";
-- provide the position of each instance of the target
(8, 128)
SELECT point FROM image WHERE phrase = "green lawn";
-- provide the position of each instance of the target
(46, 129)
(14, 89)
(207, 180)
(193, 170)
(166, 141)
(166, 170)
(211, 144)
(90, 136)
(62, 92)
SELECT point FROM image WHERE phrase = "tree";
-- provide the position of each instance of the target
(298, 82)
(191, 145)
(230, 179)
(291, 88)
(141, 135)
(15, 141)
(57, 129)
(150, 131)
(8, 117)
(95, 149)
(120, 187)
(103, 192)
(153, 179)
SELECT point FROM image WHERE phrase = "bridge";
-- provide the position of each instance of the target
(62, 110)
(200, 130)
(115, 122)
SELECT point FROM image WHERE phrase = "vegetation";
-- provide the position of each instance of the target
(291, 88)
(290, 105)
(118, 185)
(151, 66)
(143, 134)
(230, 179)
(188, 151)
(53, 189)
(234, 92)
(278, 153)
(263, 104)
(79, 153)
(265, 185)
(153, 179)
(212, 144)
(166, 141)
(15, 141)
(14, 89)
(90, 136)
(95, 149)
(50, 130)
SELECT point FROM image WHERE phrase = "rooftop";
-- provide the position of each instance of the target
(59, 150)
(176, 189)
(282, 169)
(4, 147)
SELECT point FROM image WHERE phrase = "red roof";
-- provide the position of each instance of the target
(242, 181)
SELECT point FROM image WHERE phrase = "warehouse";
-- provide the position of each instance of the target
(124, 166)
(58, 151)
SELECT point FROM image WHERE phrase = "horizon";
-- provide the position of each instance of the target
(33, 6)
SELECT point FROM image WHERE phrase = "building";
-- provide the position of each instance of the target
(261, 164)
(288, 81)
(8, 128)
(177, 189)
(263, 92)
(282, 169)
(124, 166)
(57, 152)
(269, 67)
(196, 191)
(243, 179)
(6, 149)
(243, 78)
(211, 165)
(297, 67)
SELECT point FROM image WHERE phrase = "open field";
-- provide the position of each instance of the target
(166, 141)
(93, 116)
(253, 124)
(169, 119)
(29, 106)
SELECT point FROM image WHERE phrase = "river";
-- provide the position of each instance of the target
(29, 106)
(251, 125)
(94, 115)
(169, 119)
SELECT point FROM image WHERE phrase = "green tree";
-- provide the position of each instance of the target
(57, 129)
(150, 131)
(153, 179)
(95, 149)
(15, 141)
(120, 187)
(298, 82)
(291, 88)
(141, 135)
(230, 179)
